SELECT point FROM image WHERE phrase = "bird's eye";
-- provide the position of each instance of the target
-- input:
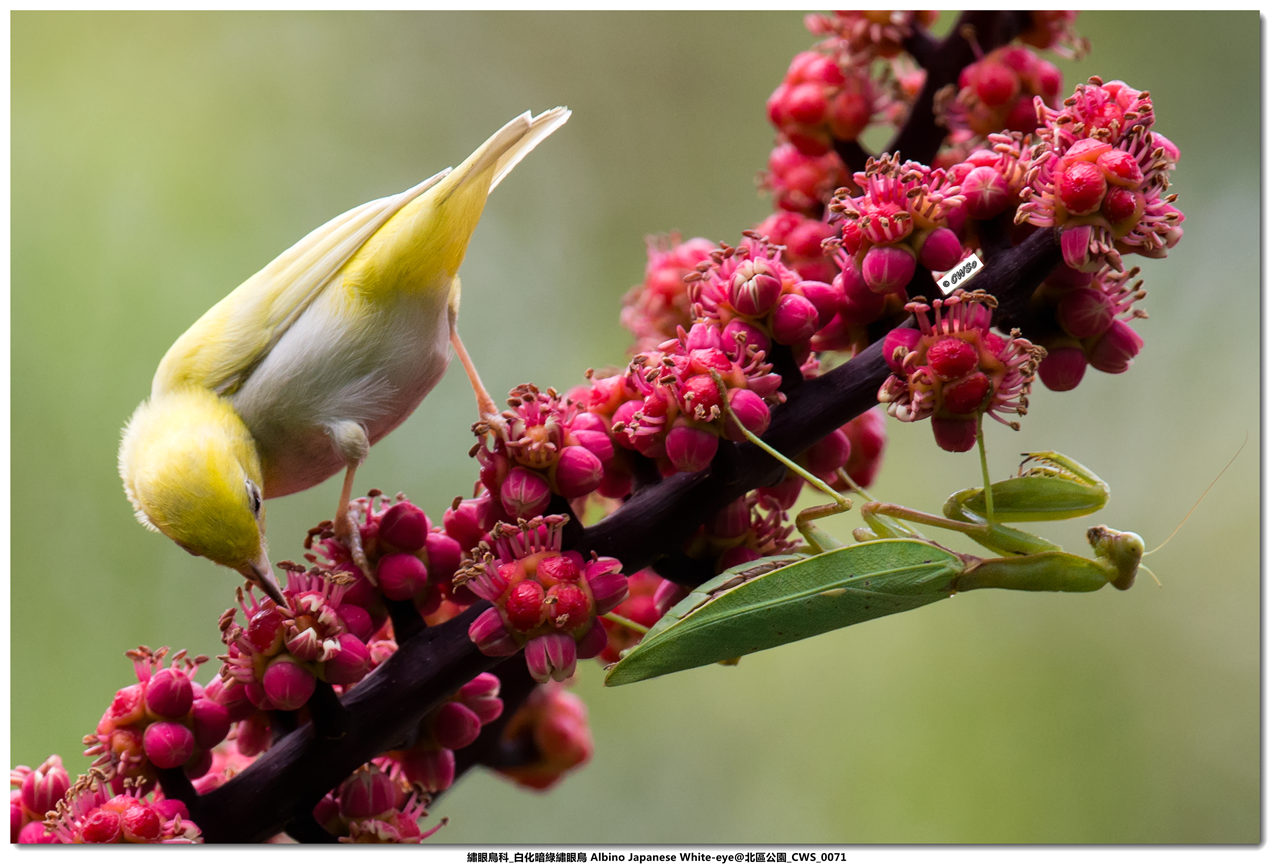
(255, 497)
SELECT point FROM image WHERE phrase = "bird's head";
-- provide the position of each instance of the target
(191, 471)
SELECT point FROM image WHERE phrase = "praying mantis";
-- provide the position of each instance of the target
(892, 568)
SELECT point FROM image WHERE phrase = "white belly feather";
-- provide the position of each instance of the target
(325, 372)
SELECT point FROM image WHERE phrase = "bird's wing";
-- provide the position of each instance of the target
(222, 348)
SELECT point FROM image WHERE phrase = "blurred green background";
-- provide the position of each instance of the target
(159, 159)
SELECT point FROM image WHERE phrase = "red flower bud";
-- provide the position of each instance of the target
(825, 297)
(866, 444)
(849, 114)
(570, 607)
(401, 575)
(887, 269)
(805, 104)
(994, 82)
(1081, 187)
(367, 793)
(794, 320)
(466, 523)
(1123, 208)
(169, 693)
(830, 453)
(455, 726)
(967, 396)
(286, 685)
(739, 335)
(700, 398)
(210, 723)
(898, 343)
(1115, 349)
(551, 656)
(558, 568)
(168, 744)
(597, 441)
(955, 435)
(140, 823)
(941, 250)
(986, 194)
(490, 635)
(752, 411)
(31, 833)
(524, 605)
(1120, 168)
(525, 493)
(44, 787)
(607, 582)
(1063, 368)
(350, 664)
(357, 620)
(444, 556)
(577, 472)
(732, 521)
(756, 288)
(691, 448)
(480, 694)
(101, 826)
(404, 526)
(952, 359)
(431, 769)
(1085, 313)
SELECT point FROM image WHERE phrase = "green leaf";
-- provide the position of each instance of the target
(774, 601)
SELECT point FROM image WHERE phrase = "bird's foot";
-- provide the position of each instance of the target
(346, 530)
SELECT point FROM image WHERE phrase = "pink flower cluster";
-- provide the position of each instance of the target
(276, 657)
(953, 369)
(1100, 174)
(802, 241)
(165, 720)
(371, 807)
(552, 723)
(818, 101)
(33, 793)
(91, 813)
(862, 32)
(547, 445)
(653, 309)
(410, 559)
(747, 528)
(998, 93)
(802, 183)
(901, 217)
(545, 602)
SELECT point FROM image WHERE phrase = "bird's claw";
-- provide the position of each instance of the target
(346, 529)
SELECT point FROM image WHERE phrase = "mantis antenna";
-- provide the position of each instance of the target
(1178, 528)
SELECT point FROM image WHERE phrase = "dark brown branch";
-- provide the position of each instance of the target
(655, 522)
(921, 135)
(282, 787)
(383, 710)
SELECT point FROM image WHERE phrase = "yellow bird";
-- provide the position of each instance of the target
(293, 375)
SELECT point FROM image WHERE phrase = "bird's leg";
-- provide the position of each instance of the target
(484, 402)
(351, 440)
(346, 529)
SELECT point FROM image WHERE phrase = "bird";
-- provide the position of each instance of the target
(291, 377)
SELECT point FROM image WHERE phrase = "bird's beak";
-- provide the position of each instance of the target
(260, 573)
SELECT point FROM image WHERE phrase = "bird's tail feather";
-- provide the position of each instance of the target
(433, 230)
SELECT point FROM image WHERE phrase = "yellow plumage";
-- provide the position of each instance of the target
(294, 374)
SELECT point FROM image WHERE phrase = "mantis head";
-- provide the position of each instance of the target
(191, 471)
(1121, 550)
